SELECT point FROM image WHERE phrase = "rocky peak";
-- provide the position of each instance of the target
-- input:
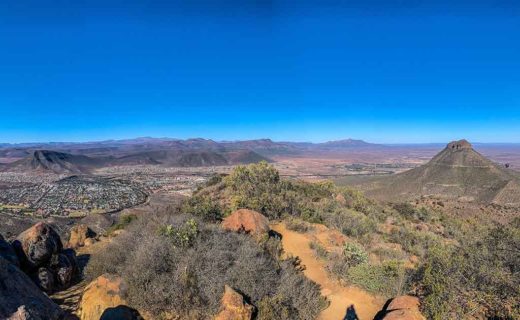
(458, 145)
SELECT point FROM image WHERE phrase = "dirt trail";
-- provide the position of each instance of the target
(365, 305)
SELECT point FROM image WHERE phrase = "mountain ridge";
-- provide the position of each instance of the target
(457, 171)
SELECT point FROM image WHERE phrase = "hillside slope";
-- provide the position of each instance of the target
(458, 171)
(53, 161)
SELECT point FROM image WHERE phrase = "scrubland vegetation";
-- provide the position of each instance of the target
(178, 263)
(179, 260)
(465, 267)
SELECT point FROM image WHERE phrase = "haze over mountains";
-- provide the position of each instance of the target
(70, 157)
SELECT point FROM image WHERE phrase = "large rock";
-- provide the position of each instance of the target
(248, 221)
(121, 313)
(403, 308)
(21, 299)
(234, 307)
(45, 279)
(36, 245)
(7, 252)
(78, 234)
(104, 293)
(64, 267)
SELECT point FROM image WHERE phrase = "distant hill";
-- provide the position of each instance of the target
(120, 148)
(57, 162)
(458, 172)
(346, 144)
(196, 158)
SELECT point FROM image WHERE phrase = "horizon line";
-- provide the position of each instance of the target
(243, 140)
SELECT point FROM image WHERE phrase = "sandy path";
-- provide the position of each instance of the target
(365, 305)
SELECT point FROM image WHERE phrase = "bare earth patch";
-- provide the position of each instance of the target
(341, 297)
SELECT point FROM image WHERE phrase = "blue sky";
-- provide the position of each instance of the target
(410, 71)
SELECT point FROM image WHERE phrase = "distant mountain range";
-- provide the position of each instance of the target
(60, 162)
(72, 157)
(145, 144)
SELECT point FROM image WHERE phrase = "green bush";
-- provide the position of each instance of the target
(182, 235)
(351, 223)
(413, 241)
(354, 254)
(410, 212)
(478, 277)
(124, 221)
(388, 279)
(204, 207)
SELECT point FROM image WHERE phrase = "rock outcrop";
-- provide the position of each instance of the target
(36, 245)
(64, 268)
(234, 307)
(101, 296)
(78, 234)
(7, 252)
(248, 221)
(40, 252)
(21, 299)
(403, 308)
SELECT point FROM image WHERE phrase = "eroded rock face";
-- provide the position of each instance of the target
(44, 278)
(460, 144)
(21, 299)
(105, 292)
(403, 308)
(234, 307)
(78, 234)
(64, 268)
(36, 245)
(248, 221)
(7, 252)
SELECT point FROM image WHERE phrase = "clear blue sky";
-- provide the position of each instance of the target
(419, 71)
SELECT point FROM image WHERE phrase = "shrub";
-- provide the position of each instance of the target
(204, 207)
(408, 211)
(413, 241)
(189, 280)
(319, 250)
(259, 187)
(387, 279)
(124, 221)
(354, 254)
(351, 223)
(479, 277)
(297, 225)
(183, 235)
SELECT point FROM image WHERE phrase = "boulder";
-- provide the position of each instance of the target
(36, 245)
(78, 234)
(248, 221)
(64, 268)
(7, 252)
(121, 313)
(234, 307)
(403, 308)
(21, 299)
(105, 292)
(44, 278)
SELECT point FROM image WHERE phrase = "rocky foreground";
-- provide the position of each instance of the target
(37, 263)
